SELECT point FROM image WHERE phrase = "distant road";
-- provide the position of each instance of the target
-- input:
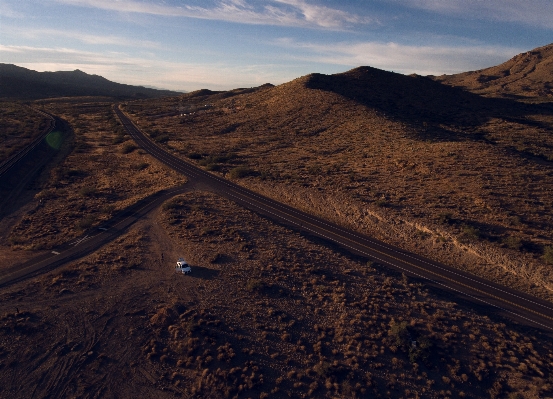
(495, 298)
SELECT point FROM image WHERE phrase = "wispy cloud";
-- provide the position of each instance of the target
(424, 60)
(8, 11)
(299, 13)
(535, 12)
(325, 16)
(87, 38)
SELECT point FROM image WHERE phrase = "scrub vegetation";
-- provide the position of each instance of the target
(269, 312)
(442, 172)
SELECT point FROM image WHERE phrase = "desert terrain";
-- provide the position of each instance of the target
(439, 171)
(267, 311)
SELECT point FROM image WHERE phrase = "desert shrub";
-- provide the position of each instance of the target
(141, 166)
(88, 191)
(254, 285)
(82, 146)
(417, 348)
(118, 139)
(399, 333)
(195, 155)
(213, 167)
(172, 204)
(445, 218)
(229, 129)
(86, 222)
(470, 232)
(240, 172)
(128, 148)
(163, 138)
(107, 209)
(548, 254)
(16, 240)
(512, 242)
(322, 368)
(382, 203)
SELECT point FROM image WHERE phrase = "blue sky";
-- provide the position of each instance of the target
(225, 44)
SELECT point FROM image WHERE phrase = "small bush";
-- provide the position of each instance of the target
(240, 172)
(213, 167)
(172, 204)
(141, 166)
(470, 232)
(107, 209)
(254, 285)
(548, 254)
(400, 334)
(162, 139)
(512, 242)
(88, 191)
(445, 218)
(119, 139)
(195, 155)
(16, 240)
(128, 148)
(86, 222)
(382, 203)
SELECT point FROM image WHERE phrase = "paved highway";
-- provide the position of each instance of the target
(495, 298)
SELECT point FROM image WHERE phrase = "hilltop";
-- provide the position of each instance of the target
(529, 74)
(25, 84)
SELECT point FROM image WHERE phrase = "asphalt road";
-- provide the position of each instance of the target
(486, 295)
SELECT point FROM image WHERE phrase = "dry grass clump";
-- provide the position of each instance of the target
(364, 150)
(95, 180)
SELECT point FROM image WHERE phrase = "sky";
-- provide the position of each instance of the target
(225, 44)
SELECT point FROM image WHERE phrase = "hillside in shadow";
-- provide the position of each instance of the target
(438, 111)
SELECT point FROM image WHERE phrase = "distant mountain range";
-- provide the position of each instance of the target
(528, 74)
(25, 84)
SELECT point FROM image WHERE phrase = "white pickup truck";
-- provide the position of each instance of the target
(182, 267)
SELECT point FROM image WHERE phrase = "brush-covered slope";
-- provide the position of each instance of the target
(21, 83)
(432, 168)
(528, 74)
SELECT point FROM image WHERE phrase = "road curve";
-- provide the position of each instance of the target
(495, 298)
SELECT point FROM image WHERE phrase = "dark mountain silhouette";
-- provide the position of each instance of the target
(528, 74)
(25, 84)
